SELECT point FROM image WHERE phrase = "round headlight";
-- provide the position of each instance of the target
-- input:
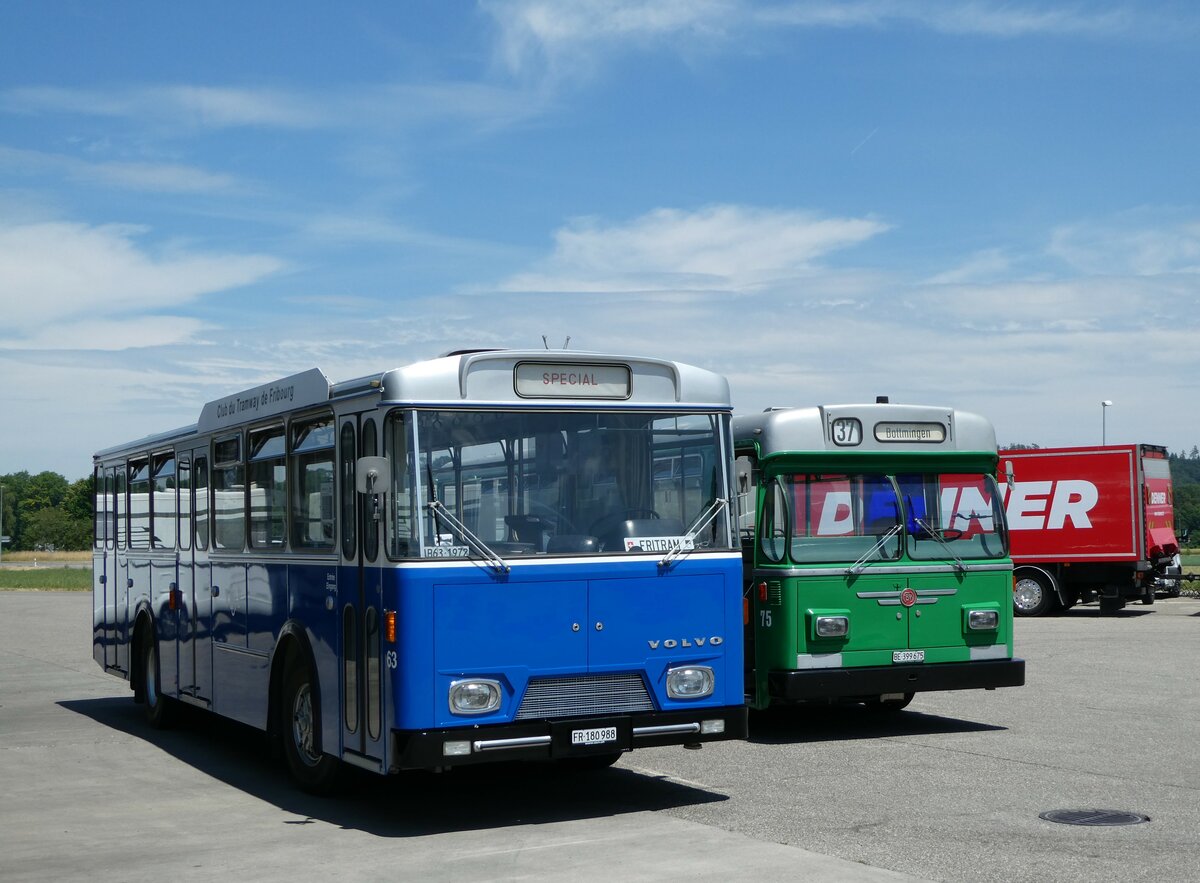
(692, 682)
(474, 697)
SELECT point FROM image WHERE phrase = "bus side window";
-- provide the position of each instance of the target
(184, 475)
(773, 535)
(229, 494)
(200, 502)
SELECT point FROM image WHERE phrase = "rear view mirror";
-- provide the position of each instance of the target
(372, 475)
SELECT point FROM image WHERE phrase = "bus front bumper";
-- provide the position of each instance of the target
(565, 738)
(873, 681)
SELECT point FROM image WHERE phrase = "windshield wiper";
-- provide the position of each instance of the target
(857, 567)
(688, 541)
(493, 560)
(928, 528)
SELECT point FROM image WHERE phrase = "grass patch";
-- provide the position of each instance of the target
(44, 558)
(59, 579)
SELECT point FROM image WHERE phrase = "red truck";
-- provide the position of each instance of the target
(1090, 522)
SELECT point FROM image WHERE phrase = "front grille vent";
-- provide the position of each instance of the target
(584, 696)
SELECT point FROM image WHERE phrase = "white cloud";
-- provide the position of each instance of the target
(203, 107)
(718, 247)
(560, 35)
(1128, 246)
(154, 177)
(56, 271)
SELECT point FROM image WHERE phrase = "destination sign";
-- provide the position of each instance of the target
(552, 380)
(929, 433)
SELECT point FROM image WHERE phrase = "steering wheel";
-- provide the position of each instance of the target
(612, 518)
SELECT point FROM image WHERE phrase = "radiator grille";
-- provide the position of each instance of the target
(588, 695)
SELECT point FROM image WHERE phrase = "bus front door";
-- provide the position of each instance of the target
(361, 601)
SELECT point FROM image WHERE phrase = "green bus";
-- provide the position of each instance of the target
(875, 555)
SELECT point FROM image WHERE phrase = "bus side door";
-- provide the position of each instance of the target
(360, 597)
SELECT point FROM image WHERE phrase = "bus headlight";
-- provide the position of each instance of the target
(983, 620)
(474, 697)
(692, 682)
(833, 626)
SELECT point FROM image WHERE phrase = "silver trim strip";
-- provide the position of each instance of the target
(501, 744)
(992, 651)
(763, 573)
(819, 660)
(665, 729)
(362, 762)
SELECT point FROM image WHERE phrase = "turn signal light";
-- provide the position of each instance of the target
(389, 626)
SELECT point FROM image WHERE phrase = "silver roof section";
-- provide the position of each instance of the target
(489, 379)
(478, 378)
(810, 429)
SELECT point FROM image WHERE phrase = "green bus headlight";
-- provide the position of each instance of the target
(983, 620)
(833, 626)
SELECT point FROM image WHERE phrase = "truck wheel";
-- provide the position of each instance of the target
(313, 770)
(1031, 595)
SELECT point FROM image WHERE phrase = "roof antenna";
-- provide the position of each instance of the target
(545, 342)
(566, 343)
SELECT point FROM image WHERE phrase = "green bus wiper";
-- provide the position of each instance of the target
(857, 567)
(928, 528)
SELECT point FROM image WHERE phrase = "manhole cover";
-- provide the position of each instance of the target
(1093, 817)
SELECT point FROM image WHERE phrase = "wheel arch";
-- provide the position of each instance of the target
(293, 644)
(1051, 578)
(144, 629)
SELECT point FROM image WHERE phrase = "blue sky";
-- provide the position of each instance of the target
(987, 205)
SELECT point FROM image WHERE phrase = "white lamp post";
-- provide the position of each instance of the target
(1104, 406)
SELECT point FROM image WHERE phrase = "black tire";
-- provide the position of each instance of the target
(1032, 595)
(159, 708)
(299, 726)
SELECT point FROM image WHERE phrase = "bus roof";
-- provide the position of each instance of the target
(473, 378)
(875, 428)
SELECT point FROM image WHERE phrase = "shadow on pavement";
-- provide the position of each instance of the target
(410, 804)
(777, 726)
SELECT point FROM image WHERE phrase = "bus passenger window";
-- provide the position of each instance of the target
(313, 474)
(200, 502)
(165, 503)
(139, 504)
(268, 489)
(229, 494)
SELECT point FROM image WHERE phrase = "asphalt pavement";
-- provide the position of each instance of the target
(950, 789)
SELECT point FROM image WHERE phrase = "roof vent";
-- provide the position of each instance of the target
(881, 400)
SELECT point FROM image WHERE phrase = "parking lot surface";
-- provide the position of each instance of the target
(950, 789)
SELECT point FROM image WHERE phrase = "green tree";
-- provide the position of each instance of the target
(52, 528)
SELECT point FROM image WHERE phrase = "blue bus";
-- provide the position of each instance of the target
(490, 555)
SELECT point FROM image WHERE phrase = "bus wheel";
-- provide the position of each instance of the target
(312, 769)
(1031, 595)
(158, 707)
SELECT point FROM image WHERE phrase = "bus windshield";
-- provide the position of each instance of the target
(554, 482)
(840, 518)
(834, 518)
(955, 515)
